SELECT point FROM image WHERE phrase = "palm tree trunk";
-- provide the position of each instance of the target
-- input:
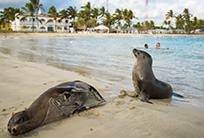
(55, 25)
(37, 20)
(32, 24)
(74, 25)
(15, 24)
(171, 22)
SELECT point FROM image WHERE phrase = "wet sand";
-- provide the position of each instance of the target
(15, 34)
(22, 82)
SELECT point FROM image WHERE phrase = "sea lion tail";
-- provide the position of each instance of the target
(177, 95)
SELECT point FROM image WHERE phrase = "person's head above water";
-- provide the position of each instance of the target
(146, 46)
(158, 45)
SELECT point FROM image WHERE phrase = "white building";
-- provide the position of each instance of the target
(63, 25)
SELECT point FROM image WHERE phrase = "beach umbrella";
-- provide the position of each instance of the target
(101, 27)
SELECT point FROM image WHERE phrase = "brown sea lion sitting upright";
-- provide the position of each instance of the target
(145, 83)
(56, 103)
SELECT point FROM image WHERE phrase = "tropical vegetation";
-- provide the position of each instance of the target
(31, 8)
(8, 15)
(54, 14)
(89, 16)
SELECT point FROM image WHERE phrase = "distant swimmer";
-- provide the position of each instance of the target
(146, 46)
(159, 47)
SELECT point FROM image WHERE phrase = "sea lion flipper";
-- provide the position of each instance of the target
(177, 95)
(93, 98)
(144, 97)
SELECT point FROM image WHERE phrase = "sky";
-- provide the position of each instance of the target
(156, 9)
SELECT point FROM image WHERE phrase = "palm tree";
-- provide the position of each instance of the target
(179, 22)
(151, 24)
(128, 23)
(200, 23)
(130, 16)
(108, 20)
(95, 15)
(146, 25)
(93, 22)
(171, 15)
(165, 22)
(53, 13)
(195, 24)
(86, 14)
(9, 14)
(118, 16)
(138, 26)
(81, 21)
(37, 6)
(187, 19)
(72, 11)
(102, 11)
(64, 15)
(29, 8)
(125, 14)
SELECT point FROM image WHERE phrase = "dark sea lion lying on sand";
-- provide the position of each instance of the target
(56, 103)
(144, 81)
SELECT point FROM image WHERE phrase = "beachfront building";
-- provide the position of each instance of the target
(60, 25)
(129, 30)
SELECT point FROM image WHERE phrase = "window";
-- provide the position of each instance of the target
(33, 27)
(24, 20)
(34, 19)
(42, 20)
(25, 27)
(30, 19)
(42, 27)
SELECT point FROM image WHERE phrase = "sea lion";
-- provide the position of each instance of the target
(145, 83)
(54, 104)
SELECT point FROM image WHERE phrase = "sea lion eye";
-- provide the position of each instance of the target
(144, 57)
(20, 120)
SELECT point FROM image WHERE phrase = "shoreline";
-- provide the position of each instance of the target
(22, 34)
(22, 82)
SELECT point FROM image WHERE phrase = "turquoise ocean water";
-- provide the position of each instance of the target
(110, 59)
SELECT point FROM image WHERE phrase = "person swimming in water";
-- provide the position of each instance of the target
(159, 47)
(146, 46)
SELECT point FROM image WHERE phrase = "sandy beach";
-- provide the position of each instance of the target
(18, 34)
(22, 82)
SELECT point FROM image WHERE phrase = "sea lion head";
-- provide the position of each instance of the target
(16, 123)
(142, 56)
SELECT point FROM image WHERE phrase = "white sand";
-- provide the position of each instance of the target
(22, 82)
(6, 35)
